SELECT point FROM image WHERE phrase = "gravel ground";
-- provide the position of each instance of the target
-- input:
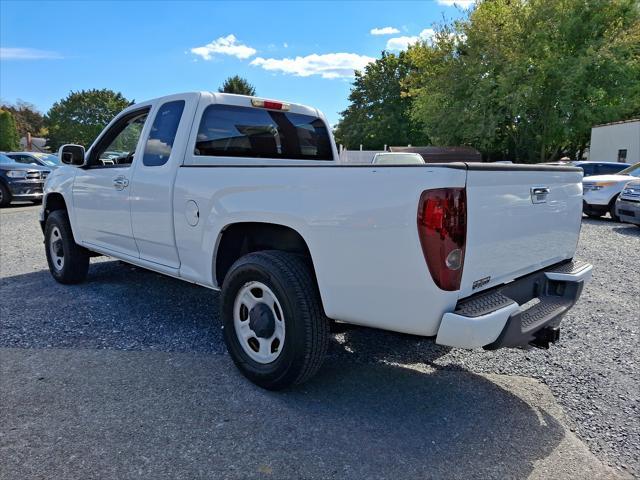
(593, 372)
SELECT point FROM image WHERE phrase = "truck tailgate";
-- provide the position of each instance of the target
(519, 219)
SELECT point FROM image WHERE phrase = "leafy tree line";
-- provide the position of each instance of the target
(380, 112)
(27, 118)
(521, 80)
(8, 131)
(77, 118)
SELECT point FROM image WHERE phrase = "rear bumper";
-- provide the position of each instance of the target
(525, 311)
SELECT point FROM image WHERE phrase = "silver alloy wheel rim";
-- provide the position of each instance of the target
(261, 350)
(55, 249)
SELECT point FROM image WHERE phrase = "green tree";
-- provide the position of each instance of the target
(238, 85)
(28, 118)
(379, 112)
(525, 80)
(9, 139)
(81, 116)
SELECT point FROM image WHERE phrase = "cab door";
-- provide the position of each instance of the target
(101, 188)
(154, 176)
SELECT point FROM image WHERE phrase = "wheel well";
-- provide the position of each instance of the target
(239, 239)
(53, 202)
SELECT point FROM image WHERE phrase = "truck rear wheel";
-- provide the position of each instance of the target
(274, 326)
(68, 261)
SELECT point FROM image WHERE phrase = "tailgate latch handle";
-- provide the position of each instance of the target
(539, 194)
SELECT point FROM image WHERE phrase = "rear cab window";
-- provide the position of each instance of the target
(250, 132)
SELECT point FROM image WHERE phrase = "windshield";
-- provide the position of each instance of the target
(47, 158)
(633, 170)
(398, 159)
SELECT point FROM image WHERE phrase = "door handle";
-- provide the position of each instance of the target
(121, 182)
(539, 194)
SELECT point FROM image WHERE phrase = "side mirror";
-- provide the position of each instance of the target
(71, 154)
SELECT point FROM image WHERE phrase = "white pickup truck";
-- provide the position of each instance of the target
(245, 195)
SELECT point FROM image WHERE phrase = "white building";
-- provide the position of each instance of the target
(616, 142)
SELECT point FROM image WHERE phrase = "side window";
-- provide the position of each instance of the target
(588, 169)
(23, 159)
(605, 169)
(118, 146)
(622, 155)
(163, 134)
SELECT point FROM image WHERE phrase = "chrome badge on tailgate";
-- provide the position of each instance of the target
(481, 283)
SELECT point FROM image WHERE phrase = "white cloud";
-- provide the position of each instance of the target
(384, 31)
(27, 54)
(427, 34)
(328, 65)
(228, 45)
(465, 4)
(402, 43)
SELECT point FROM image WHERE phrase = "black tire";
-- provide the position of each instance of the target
(75, 259)
(594, 215)
(5, 195)
(612, 209)
(306, 327)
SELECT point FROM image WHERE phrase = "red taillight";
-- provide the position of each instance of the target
(269, 104)
(442, 228)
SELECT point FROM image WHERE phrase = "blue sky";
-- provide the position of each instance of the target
(303, 52)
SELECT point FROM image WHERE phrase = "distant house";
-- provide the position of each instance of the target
(616, 142)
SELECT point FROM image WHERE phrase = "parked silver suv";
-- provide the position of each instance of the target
(628, 203)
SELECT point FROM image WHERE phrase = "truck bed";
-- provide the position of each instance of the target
(359, 222)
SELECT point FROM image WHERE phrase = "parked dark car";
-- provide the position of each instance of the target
(595, 168)
(20, 182)
(48, 160)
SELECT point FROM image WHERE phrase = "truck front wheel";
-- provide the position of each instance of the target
(68, 261)
(274, 326)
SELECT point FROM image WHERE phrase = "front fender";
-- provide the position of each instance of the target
(60, 181)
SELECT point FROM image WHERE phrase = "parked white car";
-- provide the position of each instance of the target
(244, 195)
(397, 158)
(601, 191)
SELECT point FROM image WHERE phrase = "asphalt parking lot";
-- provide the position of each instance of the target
(126, 376)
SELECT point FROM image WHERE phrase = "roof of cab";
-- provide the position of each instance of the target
(245, 100)
(226, 99)
(233, 99)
